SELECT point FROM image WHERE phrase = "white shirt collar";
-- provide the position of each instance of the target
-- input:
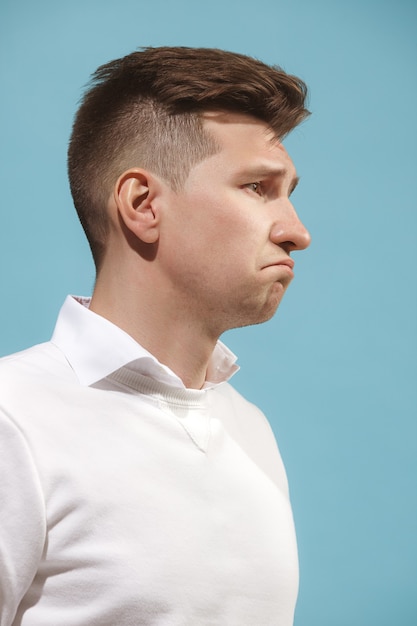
(95, 347)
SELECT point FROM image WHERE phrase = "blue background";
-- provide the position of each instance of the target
(335, 370)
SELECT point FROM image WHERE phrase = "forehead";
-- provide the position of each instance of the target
(245, 140)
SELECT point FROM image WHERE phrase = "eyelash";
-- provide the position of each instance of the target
(258, 187)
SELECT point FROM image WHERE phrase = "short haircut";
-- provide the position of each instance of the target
(144, 110)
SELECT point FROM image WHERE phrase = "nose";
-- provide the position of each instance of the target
(288, 231)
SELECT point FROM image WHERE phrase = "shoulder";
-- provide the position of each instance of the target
(37, 363)
(31, 379)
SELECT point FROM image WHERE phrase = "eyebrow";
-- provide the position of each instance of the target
(265, 172)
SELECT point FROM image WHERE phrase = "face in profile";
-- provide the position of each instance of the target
(228, 236)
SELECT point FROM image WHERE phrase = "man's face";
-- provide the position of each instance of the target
(229, 231)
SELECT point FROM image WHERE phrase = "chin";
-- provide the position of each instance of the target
(267, 315)
(271, 305)
(259, 315)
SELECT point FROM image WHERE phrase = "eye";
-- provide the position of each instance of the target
(255, 187)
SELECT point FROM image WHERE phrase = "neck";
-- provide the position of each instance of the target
(159, 321)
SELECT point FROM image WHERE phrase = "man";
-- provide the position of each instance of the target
(137, 486)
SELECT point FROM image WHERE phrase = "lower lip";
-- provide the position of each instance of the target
(286, 269)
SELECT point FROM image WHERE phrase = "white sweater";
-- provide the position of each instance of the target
(133, 502)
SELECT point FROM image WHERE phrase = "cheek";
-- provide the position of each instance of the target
(215, 228)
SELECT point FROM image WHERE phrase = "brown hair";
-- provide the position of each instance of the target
(143, 110)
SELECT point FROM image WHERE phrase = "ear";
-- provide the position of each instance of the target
(135, 196)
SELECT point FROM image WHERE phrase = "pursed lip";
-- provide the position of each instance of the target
(288, 262)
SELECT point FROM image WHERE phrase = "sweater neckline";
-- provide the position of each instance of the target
(181, 397)
(189, 407)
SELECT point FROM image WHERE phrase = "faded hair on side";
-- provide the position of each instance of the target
(144, 110)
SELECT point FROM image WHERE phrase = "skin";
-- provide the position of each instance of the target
(182, 267)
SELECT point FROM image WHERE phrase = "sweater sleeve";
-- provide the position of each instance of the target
(22, 519)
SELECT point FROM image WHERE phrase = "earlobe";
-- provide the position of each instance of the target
(134, 195)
